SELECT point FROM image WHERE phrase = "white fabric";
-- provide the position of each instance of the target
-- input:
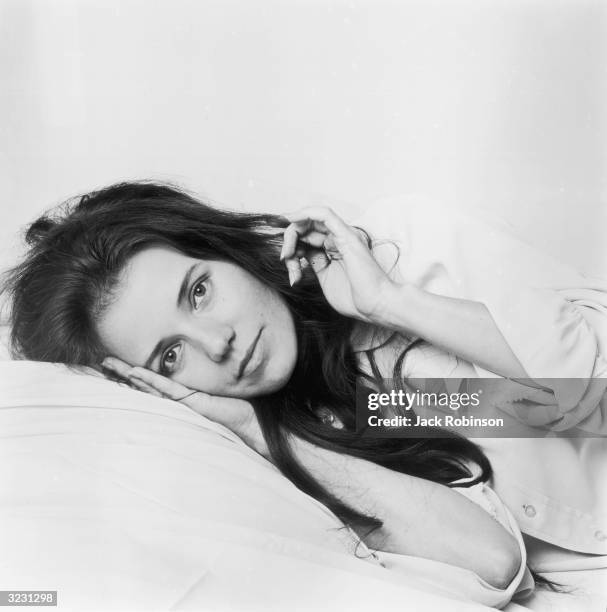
(120, 500)
(555, 321)
(123, 501)
(554, 318)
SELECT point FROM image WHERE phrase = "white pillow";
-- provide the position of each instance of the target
(4, 343)
(121, 500)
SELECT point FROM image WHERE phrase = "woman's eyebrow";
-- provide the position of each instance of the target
(185, 284)
(183, 291)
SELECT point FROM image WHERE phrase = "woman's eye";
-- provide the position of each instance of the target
(169, 359)
(199, 292)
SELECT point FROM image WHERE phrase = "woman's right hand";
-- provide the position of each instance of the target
(235, 414)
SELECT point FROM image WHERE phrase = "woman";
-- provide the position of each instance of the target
(195, 304)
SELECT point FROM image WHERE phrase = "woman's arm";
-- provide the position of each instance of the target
(420, 518)
(462, 327)
(472, 288)
(357, 286)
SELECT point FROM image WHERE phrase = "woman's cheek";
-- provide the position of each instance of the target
(194, 373)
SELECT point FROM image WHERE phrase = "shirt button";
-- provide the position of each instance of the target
(530, 510)
(601, 536)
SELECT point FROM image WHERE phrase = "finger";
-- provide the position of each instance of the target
(342, 242)
(166, 386)
(340, 239)
(305, 224)
(117, 365)
(290, 238)
(322, 217)
(141, 386)
(135, 376)
(298, 232)
(331, 249)
(294, 269)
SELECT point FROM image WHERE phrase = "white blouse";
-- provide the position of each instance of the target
(555, 321)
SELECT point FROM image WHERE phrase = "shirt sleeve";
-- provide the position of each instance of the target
(553, 317)
(463, 583)
(522, 585)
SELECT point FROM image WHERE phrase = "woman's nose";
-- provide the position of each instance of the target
(214, 338)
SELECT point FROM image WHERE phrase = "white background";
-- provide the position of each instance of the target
(269, 104)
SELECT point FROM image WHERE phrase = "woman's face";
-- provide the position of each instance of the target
(209, 325)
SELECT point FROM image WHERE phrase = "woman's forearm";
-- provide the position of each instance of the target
(420, 518)
(462, 327)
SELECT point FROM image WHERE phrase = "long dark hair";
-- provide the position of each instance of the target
(77, 253)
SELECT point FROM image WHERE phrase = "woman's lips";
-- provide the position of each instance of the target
(248, 358)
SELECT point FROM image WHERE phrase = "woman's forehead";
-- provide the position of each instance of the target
(154, 255)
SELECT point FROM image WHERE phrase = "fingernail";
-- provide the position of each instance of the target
(107, 362)
(291, 277)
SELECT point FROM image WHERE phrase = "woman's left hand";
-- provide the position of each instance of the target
(350, 277)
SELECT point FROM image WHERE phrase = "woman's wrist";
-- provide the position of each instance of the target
(250, 432)
(394, 303)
